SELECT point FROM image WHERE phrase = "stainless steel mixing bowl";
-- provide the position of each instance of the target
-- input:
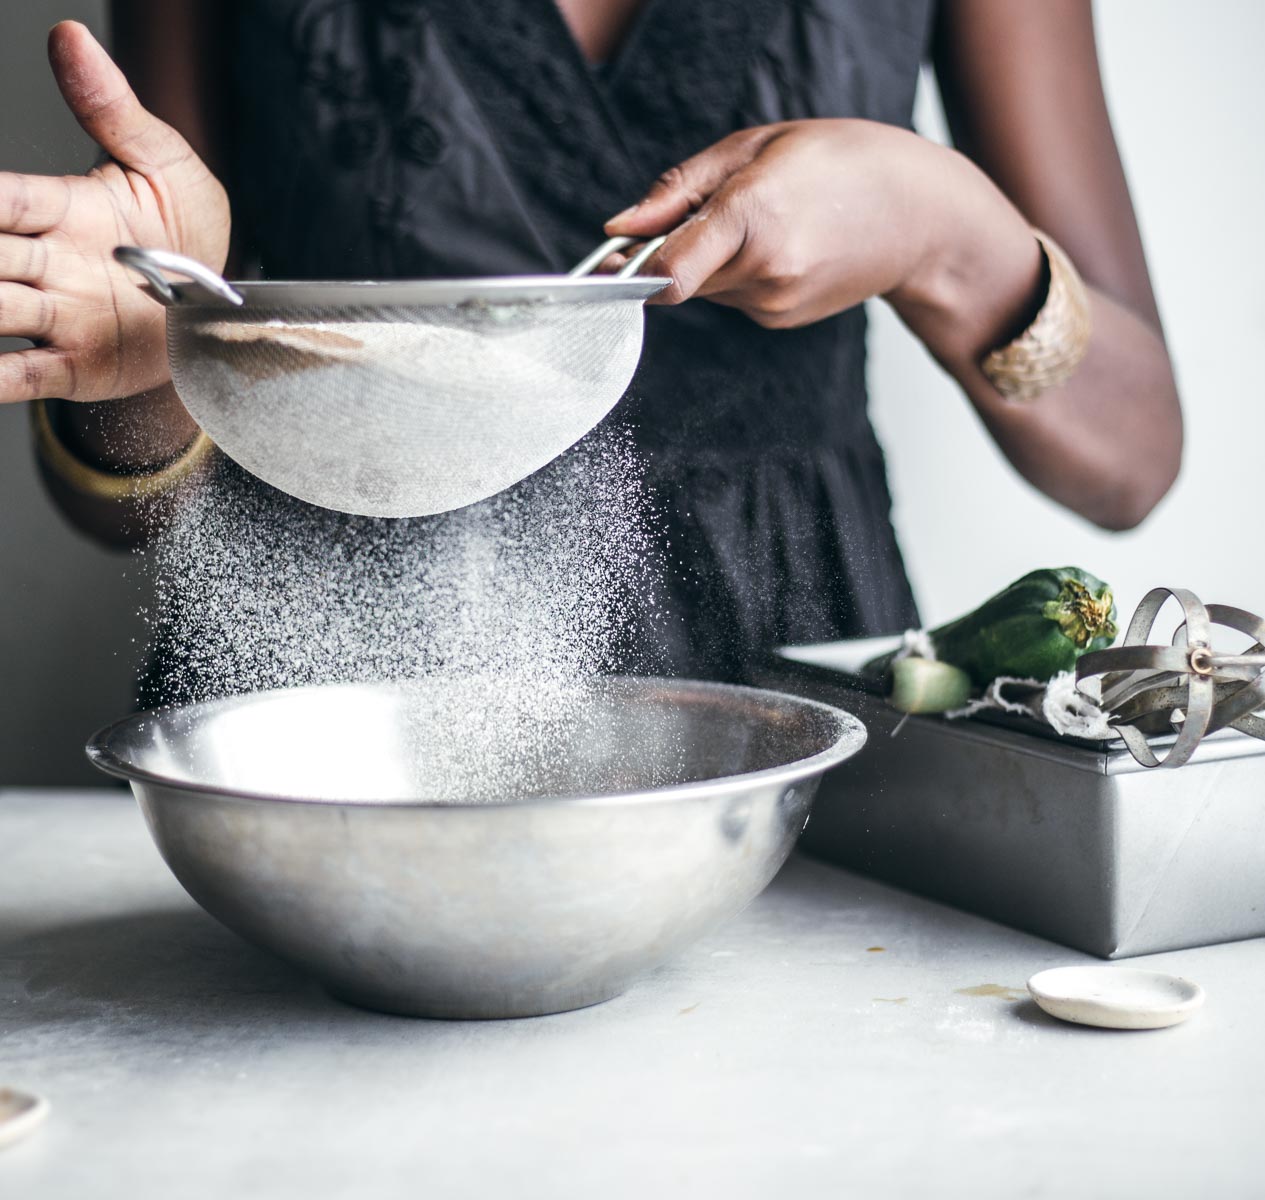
(472, 849)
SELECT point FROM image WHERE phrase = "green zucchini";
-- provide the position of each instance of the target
(1038, 626)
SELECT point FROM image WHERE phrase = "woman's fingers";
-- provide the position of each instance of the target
(32, 203)
(36, 375)
(699, 249)
(684, 189)
(25, 312)
(97, 93)
(23, 259)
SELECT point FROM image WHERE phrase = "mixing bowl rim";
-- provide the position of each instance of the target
(850, 740)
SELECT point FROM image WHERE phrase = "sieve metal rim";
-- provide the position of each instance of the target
(261, 295)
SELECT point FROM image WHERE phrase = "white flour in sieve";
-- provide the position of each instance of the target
(453, 406)
(522, 598)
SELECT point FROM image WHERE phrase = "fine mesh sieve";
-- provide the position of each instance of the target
(399, 399)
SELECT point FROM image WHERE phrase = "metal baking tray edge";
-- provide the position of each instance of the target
(1069, 840)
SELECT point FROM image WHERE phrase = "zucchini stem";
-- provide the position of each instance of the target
(1082, 616)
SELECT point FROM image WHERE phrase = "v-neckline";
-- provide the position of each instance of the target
(600, 80)
(608, 69)
(583, 144)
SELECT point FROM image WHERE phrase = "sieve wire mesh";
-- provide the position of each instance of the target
(393, 411)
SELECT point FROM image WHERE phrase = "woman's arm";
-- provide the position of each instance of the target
(1024, 98)
(793, 222)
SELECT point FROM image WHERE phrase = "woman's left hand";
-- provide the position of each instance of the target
(794, 222)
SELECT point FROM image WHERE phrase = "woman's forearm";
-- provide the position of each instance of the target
(133, 435)
(1107, 444)
(1024, 97)
(129, 439)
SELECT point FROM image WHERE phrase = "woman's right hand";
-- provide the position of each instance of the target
(97, 335)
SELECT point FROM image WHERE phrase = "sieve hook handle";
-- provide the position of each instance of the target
(152, 264)
(590, 262)
(638, 260)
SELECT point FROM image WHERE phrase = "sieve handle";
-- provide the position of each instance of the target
(590, 262)
(634, 264)
(152, 264)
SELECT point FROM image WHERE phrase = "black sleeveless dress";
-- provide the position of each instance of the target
(411, 138)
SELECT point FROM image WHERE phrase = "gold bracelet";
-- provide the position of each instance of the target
(1048, 352)
(99, 484)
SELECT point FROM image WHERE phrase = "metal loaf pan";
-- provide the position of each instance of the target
(1071, 840)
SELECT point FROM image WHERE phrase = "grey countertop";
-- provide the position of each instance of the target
(827, 1042)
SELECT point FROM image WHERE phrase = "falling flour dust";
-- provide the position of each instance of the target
(515, 603)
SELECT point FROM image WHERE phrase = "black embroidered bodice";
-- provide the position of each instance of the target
(407, 138)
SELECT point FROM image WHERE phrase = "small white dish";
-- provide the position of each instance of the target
(20, 1113)
(1115, 997)
(850, 655)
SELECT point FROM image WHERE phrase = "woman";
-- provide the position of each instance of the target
(408, 138)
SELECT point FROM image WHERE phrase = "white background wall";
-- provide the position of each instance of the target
(1188, 97)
